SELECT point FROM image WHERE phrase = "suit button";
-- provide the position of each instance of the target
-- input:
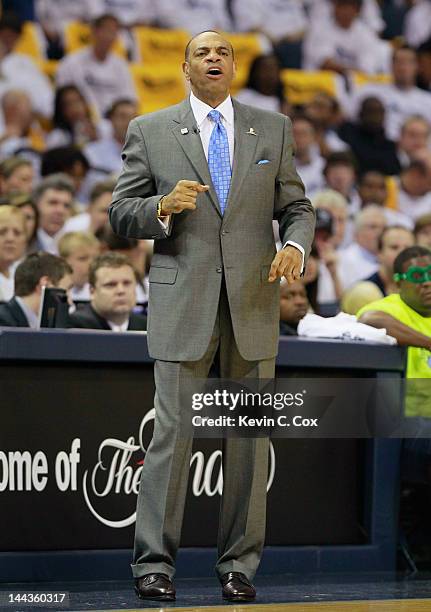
(219, 270)
(224, 232)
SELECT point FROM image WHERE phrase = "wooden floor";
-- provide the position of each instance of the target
(401, 605)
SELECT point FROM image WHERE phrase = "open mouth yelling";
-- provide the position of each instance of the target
(214, 73)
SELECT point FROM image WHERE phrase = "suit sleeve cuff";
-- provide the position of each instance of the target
(166, 224)
(300, 248)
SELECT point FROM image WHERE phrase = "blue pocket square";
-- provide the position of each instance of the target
(263, 161)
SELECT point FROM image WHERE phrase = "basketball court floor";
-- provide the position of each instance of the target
(361, 592)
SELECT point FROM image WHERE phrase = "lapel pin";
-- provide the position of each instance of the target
(252, 132)
(184, 131)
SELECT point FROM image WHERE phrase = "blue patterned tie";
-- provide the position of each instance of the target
(219, 159)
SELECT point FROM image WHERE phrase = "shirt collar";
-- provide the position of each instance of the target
(371, 257)
(201, 109)
(49, 242)
(119, 328)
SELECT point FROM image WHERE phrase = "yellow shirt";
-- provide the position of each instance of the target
(418, 399)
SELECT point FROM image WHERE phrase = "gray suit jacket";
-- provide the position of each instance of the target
(187, 266)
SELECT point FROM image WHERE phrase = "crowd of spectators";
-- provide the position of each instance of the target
(362, 131)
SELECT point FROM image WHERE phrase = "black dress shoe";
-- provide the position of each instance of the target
(237, 587)
(155, 586)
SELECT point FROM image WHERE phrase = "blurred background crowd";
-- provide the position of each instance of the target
(354, 76)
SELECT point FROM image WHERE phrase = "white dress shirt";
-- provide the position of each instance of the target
(357, 47)
(311, 174)
(104, 154)
(129, 12)
(255, 98)
(276, 18)
(370, 13)
(205, 126)
(57, 13)
(417, 24)
(19, 71)
(118, 328)
(355, 264)
(49, 243)
(400, 104)
(101, 82)
(193, 15)
(78, 223)
(7, 284)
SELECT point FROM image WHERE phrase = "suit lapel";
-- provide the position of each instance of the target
(245, 147)
(100, 321)
(191, 144)
(18, 314)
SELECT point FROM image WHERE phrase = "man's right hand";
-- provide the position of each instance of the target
(182, 197)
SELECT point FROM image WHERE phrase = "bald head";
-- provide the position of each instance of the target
(13, 98)
(209, 67)
(370, 223)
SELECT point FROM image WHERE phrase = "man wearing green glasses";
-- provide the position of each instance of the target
(407, 317)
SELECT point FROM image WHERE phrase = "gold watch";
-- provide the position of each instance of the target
(159, 208)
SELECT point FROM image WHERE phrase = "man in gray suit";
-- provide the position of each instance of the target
(205, 179)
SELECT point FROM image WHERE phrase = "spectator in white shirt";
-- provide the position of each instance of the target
(12, 248)
(340, 175)
(373, 189)
(101, 75)
(283, 22)
(414, 190)
(72, 120)
(18, 71)
(277, 19)
(264, 87)
(417, 24)
(360, 260)
(54, 200)
(193, 15)
(402, 98)
(309, 163)
(324, 112)
(105, 154)
(131, 13)
(370, 13)
(336, 205)
(414, 140)
(79, 249)
(54, 15)
(328, 290)
(327, 246)
(342, 42)
(22, 133)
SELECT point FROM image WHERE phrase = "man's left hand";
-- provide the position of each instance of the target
(286, 263)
